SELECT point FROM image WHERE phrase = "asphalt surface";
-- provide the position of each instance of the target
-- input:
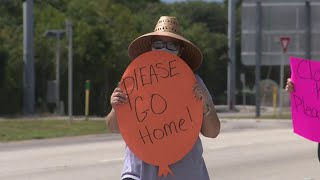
(246, 149)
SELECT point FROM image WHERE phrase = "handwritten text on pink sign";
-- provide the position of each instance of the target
(305, 100)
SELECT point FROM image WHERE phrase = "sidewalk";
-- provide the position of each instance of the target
(247, 111)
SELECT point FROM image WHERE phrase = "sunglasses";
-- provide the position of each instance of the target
(162, 44)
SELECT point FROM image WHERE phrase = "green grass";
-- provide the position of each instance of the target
(13, 130)
(284, 116)
(17, 129)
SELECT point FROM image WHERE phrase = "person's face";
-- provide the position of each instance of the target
(167, 44)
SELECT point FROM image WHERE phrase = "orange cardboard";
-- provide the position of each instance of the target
(162, 120)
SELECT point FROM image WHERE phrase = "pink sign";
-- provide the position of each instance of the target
(305, 100)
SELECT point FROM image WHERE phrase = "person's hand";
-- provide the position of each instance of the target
(289, 86)
(200, 94)
(118, 97)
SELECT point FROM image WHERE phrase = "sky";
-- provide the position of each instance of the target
(171, 1)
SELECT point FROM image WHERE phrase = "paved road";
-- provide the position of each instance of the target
(245, 150)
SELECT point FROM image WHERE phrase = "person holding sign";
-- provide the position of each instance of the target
(290, 88)
(165, 38)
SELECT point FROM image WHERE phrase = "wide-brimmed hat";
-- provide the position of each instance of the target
(167, 26)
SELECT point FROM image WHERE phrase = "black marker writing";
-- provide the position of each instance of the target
(306, 109)
(310, 74)
(158, 105)
(149, 75)
(168, 129)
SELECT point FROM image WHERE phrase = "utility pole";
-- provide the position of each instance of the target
(308, 30)
(70, 67)
(284, 41)
(231, 54)
(28, 59)
(58, 75)
(258, 55)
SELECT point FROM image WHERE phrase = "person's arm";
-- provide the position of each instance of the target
(112, 122)
(210, 122)
(117, 97)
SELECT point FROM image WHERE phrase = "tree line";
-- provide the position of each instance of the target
(102, 31)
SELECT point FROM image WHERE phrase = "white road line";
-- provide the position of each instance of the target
(111, 160)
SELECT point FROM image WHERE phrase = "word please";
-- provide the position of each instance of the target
(307, 110)
(149, 74)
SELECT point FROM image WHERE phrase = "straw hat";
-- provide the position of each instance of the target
(167, 26)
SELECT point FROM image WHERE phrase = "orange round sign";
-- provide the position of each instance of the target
(162, 120)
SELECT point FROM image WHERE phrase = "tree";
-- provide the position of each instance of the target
(102, 30)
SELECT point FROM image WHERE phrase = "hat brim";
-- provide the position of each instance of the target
(191, 54)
